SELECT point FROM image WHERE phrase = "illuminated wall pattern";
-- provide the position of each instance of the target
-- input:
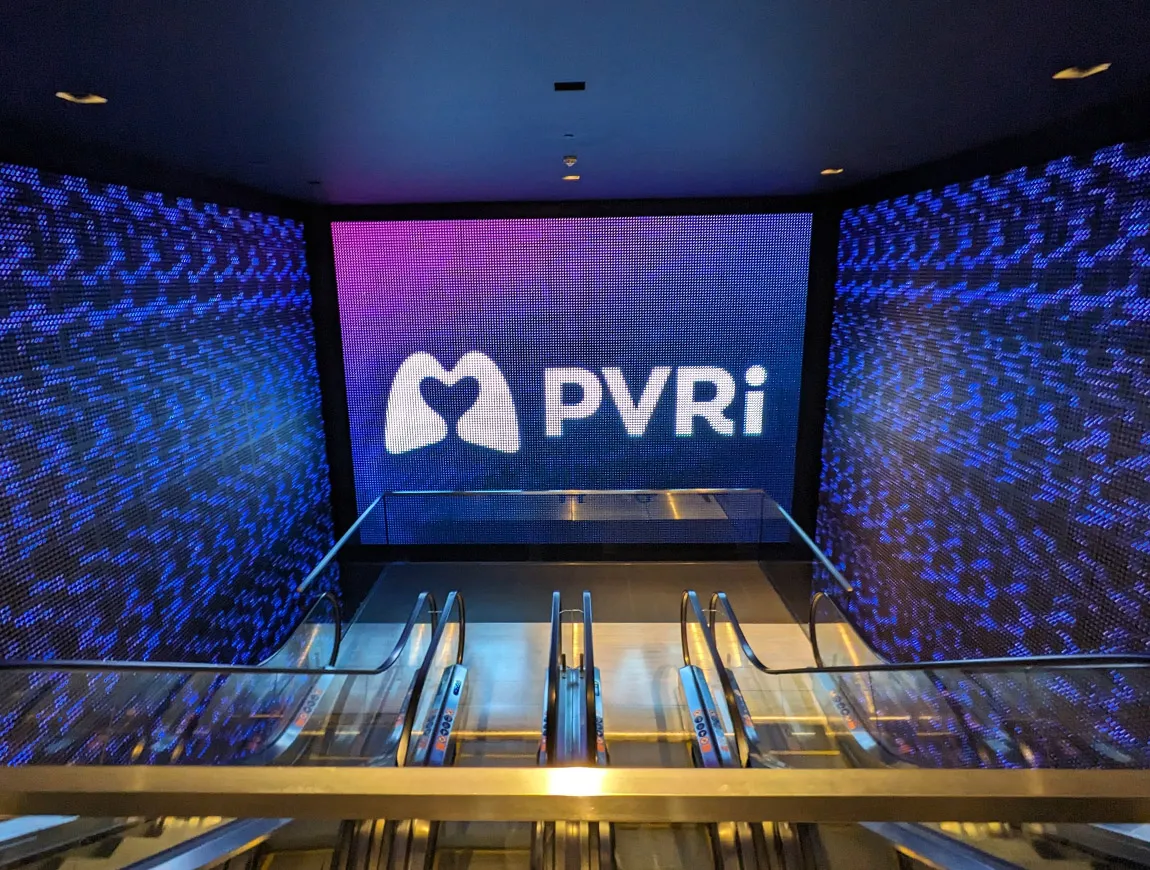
(986, 474)
(163, 481)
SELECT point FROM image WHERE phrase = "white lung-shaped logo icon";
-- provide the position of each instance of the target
(491, 422)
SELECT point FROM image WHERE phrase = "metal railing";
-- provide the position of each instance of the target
(654, 795)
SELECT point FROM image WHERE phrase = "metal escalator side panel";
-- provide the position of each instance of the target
(701, 710)
(606, 845)
(422, 745)
(572, 737)
(213, 847)
(856, 743)
(725, 846)
(22, 827)
(749, 730)
(361, 845)
(453, 682)
(416, 837)
(600, 738)
(399, 846)
(58, 840)
(935, 848)
(543, 846)
(420, 845)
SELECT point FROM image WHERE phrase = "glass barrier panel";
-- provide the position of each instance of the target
(697, 516)
(146, 717)
(360, 716)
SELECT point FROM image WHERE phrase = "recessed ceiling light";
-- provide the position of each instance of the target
(1081, 72)
(570, 177)
(82, 99)
(837, 170)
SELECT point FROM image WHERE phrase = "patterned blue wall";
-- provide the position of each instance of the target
(986, 476)
(163, 481)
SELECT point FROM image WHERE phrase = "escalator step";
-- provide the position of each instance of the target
(490, 836)
(482, 859)
(307, 859)
(662, 847)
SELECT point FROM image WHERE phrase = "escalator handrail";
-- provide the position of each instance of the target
(589, 683)
(453, 602)
(337, 613)
(1078, 661)
(551, 722)
(689, 603)
(422, 602)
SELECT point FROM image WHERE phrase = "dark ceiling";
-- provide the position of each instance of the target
(453, 100)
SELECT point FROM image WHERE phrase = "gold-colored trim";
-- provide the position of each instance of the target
(582, 794)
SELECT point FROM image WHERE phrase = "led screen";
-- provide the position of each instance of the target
(558, 353)
(163, 479)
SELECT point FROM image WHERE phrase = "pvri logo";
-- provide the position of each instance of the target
(492, 420)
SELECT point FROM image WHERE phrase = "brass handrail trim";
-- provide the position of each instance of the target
(583, 794)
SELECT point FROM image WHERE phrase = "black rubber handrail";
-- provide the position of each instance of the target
(74, 665)
(337, 614)
(589, 683)
(551, 714)
(453, 602)
(1080, 661)
(690, 604)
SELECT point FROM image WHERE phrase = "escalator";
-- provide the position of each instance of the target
(571, 733)
(303, 705)
(956, 714)
(312, 703)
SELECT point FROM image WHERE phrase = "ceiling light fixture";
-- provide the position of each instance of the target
(570, 160)
(82, 99)
(837, 170)
(570, 177)
(1081, 72)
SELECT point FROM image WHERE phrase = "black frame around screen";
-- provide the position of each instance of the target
(816, 344)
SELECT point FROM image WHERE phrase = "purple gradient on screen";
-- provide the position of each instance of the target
(724, 290)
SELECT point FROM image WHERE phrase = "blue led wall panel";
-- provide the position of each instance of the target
(986, 473)
(163, 481)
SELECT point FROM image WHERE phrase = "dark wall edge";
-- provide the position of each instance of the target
(816, 366)
(329, 361)
(24, 147)
(577, 208)
(1125, 120)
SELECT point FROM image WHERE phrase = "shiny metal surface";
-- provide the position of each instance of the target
(639, 665)
(214, 847)
(331, 554)
(584, 794)
(925, 846)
